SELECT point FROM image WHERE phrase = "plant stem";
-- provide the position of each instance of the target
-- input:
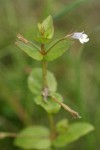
(44, 71)
(52, 126)
(46, 91)
(44, 68)
(71, 111)
(14, 135)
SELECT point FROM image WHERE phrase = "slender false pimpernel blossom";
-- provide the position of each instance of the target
(81, 36)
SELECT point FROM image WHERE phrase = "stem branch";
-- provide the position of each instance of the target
(71, 111)
(55, 44)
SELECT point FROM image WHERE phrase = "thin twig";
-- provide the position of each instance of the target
(14, 135)
(71, 111)
(55, 44)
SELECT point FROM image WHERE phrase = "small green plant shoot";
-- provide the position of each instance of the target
(42, 83)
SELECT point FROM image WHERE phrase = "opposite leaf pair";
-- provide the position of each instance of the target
(54, 49)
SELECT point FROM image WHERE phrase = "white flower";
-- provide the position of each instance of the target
(81, 36)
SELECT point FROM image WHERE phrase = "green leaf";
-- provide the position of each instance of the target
(41, 39)
(35, 81)
(50, 106)
(62, 126)
(46, 28)
(34, 137)
(57, 49)
(30, 50)
(73, 133)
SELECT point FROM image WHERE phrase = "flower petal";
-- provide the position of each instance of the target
(81, 40)
(81, 36)
(86, 40)
(77, 35)
(84, 36)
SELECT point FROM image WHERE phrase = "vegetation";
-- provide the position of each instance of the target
(77, 73)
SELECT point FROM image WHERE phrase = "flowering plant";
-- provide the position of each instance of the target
(83, 38)
(43, 85)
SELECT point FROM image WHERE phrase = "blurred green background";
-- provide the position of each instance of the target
(77, 71)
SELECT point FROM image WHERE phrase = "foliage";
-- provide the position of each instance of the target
(43, 84)
(36, 137)
(30, 50)
(77, 71)
(35, 81)
(73, 132)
